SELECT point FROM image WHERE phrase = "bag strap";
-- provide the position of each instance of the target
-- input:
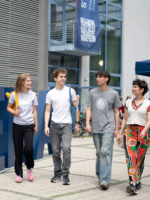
(8, 95)
(70, 96)
(16, 99)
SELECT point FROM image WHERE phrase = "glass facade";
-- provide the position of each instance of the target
(110, 12)
(102, 7)
(98, 62)
(62, 11)
(113, 46)
(70, 63)
(114, 11)
(116, 1)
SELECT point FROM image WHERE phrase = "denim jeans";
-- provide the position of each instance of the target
(61, 136)
(104, 151)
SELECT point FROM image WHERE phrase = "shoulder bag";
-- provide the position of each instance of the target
(16, 104)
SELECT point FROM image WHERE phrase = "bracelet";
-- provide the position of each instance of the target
(77, 122)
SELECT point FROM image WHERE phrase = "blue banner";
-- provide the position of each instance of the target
(87, 26)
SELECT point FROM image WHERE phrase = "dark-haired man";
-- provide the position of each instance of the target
(61, 124)
(103, 105)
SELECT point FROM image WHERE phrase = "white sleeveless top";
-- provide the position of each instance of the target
(138, 116)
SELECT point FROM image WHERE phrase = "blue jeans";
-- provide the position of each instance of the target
(104, 151)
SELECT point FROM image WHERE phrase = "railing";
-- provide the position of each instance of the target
(62, 33)
(62, 38)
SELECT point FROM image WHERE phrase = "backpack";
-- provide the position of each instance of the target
(16, 104)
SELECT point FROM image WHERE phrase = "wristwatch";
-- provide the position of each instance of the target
(77, 122)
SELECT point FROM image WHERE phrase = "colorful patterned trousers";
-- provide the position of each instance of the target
(135, 150)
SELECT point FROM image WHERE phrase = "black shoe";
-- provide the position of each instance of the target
(138, 186)
(55, 179)
(104, 186)
(131, 189)
(66, 180)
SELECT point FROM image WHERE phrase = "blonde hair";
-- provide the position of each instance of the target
(20, 80)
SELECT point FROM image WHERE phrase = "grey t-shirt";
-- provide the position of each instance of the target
(26, 103)
(103, 104)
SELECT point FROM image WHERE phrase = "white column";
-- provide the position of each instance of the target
(136, 41)
(84, 80)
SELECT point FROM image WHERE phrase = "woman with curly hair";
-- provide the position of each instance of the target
(135, 125)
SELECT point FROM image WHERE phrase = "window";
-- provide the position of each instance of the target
(70, 13)
(56, 31)
(92, 79)
(116, 1)
(56, 13)
(102, 7)
(50, 77)
(72, 77)
(114, 11)
(71, 2)
(115, 81)
(98, 62)
(70, 63)
(113, 46)
(55, 60)
(60, 1)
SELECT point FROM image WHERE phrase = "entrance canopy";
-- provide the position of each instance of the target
(142, 68)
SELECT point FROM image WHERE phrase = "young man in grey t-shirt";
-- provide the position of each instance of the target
(103, 106)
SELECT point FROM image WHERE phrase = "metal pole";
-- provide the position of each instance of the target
(65, 33)
(73, 34)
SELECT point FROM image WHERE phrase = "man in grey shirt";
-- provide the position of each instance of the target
(103, 105)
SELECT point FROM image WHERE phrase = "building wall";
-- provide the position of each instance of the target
(136, 41)
(19, 41)
(43, 45)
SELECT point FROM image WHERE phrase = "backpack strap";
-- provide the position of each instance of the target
(16, 99)
(8, 95)
(70, 96)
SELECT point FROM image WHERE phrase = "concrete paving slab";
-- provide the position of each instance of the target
(84, 183)
(84, 153)
(114, 193)
(6, 195)
(80, 141)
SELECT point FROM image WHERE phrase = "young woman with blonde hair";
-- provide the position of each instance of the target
(24, 125)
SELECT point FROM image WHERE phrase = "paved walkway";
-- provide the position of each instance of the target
(84, 184)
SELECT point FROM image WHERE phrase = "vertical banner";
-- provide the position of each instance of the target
(87, 26)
